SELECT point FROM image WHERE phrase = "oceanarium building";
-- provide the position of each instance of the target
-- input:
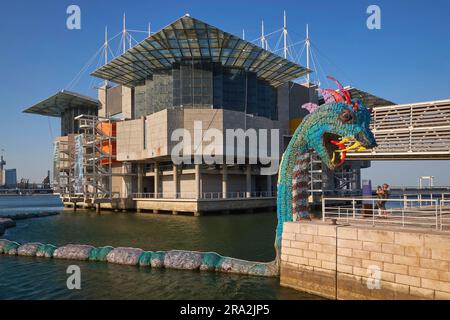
(117, 151)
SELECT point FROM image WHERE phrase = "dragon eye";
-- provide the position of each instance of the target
(346, 116)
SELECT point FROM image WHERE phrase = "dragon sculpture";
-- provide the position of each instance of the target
(332, 129)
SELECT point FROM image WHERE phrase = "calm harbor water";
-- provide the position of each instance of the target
(242, 236)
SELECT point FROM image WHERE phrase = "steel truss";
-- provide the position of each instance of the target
(410, 131)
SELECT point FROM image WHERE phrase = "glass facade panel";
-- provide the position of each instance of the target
(193, 84)
(155, 95)
(204, 84)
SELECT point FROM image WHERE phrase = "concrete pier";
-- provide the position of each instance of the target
(193, 206)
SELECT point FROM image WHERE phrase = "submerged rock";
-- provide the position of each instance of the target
(100, 254)
(128, 256)
(29, 249)
(23, 216)
(46, 251)
(7, 223)
(157, 260)
(186, 260)
(73, 252)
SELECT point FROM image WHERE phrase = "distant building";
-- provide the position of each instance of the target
(2, 172)
(11, 178)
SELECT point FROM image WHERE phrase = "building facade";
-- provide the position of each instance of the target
(11, 178)
(193, 77)
(2, 171)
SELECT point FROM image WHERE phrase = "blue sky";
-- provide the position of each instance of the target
(406, 61)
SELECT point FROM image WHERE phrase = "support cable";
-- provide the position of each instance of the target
(80, 73)
(83, 69)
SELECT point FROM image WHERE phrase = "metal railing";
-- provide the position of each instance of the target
(415, 187)
(423, 197)
(399, 211)
(206, 195)
(444, 209)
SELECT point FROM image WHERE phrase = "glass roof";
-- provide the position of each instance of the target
(189, 38)
(56, 104)
(370, 100)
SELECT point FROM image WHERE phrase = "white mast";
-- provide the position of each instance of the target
(307, 52)
(106, 47)
(149, 29)
(243, 34)
(263, 37)
(124, 34)
(285, 35)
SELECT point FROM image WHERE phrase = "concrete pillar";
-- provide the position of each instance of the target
(127, 102)
(248, 179)
(175, 180)
(126, 180)
(224, 181)
(140, 180)
(357, 174)
(197, 181)
(102, 97)
(269, 184)
(156, 180)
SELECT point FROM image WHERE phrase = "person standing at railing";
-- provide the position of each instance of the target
(380, 202)
(385, 196)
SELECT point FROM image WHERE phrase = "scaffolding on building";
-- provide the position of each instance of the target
(343, 181)
(63, 167)
(94, 158)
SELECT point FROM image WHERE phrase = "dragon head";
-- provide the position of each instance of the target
(338, 126)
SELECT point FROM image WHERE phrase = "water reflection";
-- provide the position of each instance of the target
(249, 236)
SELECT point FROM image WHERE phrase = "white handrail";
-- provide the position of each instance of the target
(205, 195)
(407, 212)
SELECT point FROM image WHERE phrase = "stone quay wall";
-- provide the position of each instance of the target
(364, 262)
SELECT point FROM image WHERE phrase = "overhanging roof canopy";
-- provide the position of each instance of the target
(58, 103)
(189, 38)
(369, 100)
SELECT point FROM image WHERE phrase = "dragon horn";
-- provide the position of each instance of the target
(345, 92)
(337, 97)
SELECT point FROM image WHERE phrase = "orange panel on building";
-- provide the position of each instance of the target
(108, 147)
(293, 124)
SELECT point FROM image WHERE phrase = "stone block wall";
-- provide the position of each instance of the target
(357, 262)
